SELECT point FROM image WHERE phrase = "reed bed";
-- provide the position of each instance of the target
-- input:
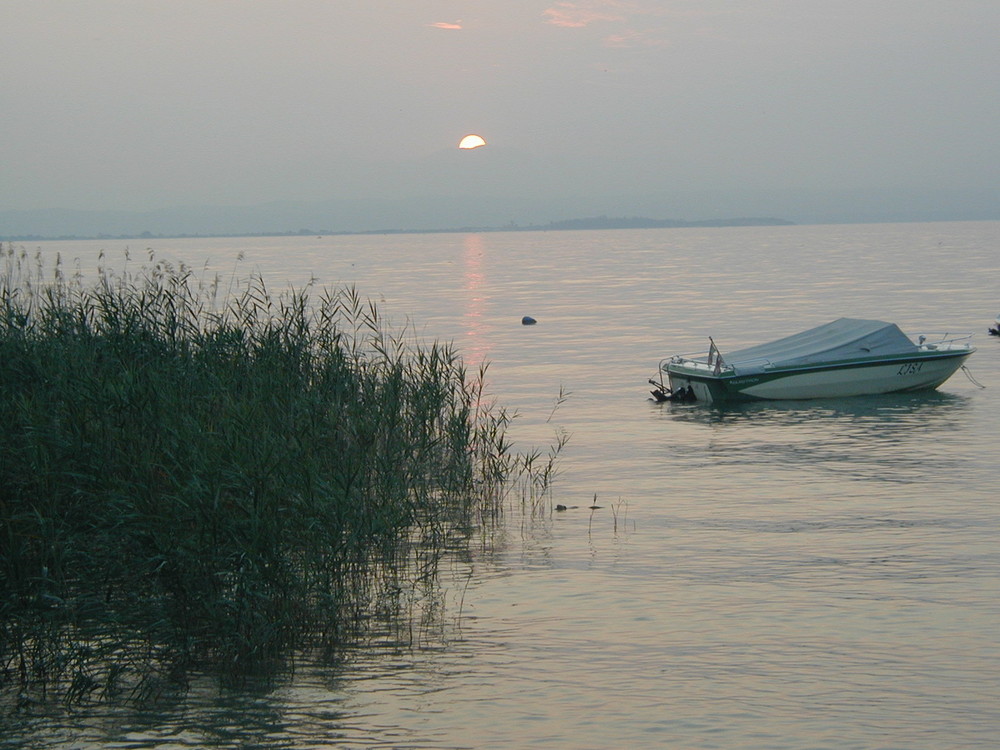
(197, 476)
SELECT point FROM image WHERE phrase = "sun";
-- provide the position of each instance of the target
(472, 141)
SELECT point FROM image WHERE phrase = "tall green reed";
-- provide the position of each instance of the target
(195, 477)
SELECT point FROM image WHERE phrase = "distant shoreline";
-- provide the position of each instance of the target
(598, 222)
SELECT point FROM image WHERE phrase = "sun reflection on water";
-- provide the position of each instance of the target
(476, 344)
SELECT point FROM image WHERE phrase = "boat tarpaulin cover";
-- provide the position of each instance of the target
(843, 339)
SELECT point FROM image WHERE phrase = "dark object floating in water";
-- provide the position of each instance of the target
(527, 320)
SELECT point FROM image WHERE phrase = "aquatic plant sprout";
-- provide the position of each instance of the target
(195, 476)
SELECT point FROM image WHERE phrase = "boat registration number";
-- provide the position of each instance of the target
(910, 368)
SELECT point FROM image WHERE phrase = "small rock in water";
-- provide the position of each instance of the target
(527, 320)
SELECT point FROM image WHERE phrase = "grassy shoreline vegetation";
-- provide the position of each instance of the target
(201, 477)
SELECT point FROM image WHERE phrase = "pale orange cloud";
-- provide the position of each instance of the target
(578, 15)
(445, 25)
(629, 15)
(633, 38)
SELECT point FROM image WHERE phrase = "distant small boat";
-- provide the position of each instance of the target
(847, 357)
(995, 329)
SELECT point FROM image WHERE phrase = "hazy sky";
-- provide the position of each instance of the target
(129, 104)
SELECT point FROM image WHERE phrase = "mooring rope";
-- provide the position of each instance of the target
(972, 379)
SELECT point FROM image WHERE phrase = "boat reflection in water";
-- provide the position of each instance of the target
(888, 438)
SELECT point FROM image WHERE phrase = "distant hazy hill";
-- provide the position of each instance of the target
(279, 220)
(638, 222)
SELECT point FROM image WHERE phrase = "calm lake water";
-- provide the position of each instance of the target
(799, 575)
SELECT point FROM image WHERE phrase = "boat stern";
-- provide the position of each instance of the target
(698, 380)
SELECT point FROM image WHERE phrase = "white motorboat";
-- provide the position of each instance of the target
(847, 357)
